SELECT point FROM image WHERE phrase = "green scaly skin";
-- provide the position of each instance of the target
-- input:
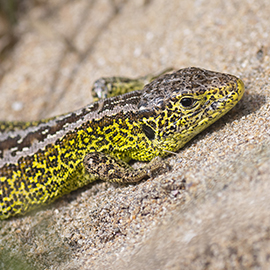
(43, 160)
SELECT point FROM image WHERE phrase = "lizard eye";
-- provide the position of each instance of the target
(186, 102)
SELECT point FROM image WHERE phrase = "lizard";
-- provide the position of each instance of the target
(41, 161)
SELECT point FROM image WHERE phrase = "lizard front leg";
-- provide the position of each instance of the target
(111, 169)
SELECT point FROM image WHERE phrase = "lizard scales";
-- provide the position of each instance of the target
(43, 160)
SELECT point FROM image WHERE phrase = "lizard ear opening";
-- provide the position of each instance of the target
(149, 132)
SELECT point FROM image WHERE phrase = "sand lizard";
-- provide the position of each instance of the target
(43, 160)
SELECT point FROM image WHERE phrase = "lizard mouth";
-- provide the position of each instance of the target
(221, 106)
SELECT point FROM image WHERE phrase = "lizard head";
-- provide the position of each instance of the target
(181, 104)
